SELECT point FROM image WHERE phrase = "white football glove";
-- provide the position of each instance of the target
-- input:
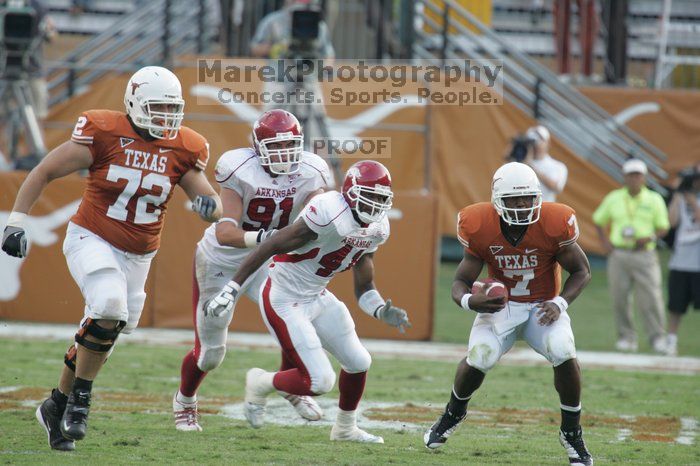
(220, 307)
(394, 316)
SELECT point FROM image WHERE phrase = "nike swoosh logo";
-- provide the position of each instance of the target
(82, 237)
(162, 151)
(530, 251)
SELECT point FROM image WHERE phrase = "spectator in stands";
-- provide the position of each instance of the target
(684, 266)
(274, 34)
(629, 220)
(551, 173)
(79, 6)
(35, 69)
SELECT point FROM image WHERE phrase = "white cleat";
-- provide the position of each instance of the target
(186, 416)
(305, 406)
(258, 383)
(353, 434)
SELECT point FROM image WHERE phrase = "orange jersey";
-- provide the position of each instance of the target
(529, 270)
(131, 179)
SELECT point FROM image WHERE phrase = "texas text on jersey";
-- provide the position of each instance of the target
(340, 244)
(131, 179)
(529, 270)
(269, 202)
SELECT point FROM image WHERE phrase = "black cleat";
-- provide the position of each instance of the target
(575, 447)
(74, 421)
(445, 426)
(49, 416)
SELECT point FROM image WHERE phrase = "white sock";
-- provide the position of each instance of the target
(186, 400)
(266, 381)
(346, 419)
(672, 339)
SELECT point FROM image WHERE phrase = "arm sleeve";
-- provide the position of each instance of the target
(661, 221)
(202, 158)
(324, 38)
(86, 133)
(263, 33)
(319, 216)
(464, 233)
(227, 171)
(563, 176)
(601, 216)
(568, 228)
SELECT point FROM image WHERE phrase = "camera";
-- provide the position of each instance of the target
(305, 32)
(689, 178)
(19, 37)
(521, 145)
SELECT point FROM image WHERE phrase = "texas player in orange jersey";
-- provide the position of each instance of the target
(134, 160)
(524, 243)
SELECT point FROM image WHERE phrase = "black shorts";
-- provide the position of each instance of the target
(683, 288)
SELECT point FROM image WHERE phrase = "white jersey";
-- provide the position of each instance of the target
(268, 202)
(341, 242)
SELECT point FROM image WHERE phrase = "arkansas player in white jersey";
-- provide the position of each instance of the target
(134, 160)
(262, 189)
(334, 232)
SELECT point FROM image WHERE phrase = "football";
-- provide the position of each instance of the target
(494, 288)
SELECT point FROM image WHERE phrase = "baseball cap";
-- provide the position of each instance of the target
(538, 132)
(634, 166)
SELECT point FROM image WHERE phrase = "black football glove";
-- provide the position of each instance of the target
(14, 241)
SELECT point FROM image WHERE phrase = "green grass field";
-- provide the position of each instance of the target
(629, 417)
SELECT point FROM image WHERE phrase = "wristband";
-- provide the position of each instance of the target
(235, 286)
(228, 220)
(560, 302)
(16, 219)
(250, 238)
(464, 302)
(370, 301)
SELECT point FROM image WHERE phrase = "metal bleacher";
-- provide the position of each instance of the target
(100, 15)
(587, 129)
(155, 32)
(530, 29)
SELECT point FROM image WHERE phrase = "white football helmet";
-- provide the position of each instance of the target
(516, 179)
(155, 86)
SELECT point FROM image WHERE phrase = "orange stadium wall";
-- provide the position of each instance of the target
(40, 288)
(465, 145)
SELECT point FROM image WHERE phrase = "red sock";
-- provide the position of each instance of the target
(190, 375)
(293, 381)
(351, 387)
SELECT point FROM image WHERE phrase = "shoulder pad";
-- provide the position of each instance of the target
(106, 120)
(233, 161)
(192, 141)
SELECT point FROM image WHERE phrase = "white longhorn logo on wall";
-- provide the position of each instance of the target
(40, 232)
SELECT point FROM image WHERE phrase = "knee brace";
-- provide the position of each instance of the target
(483, 356)
(91, 328)
(211, 357)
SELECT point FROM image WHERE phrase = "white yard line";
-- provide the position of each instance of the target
(434, 351)
(689, 430)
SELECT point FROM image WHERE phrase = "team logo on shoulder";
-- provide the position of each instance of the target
(495, 249)
(312, 209)
(125, 141)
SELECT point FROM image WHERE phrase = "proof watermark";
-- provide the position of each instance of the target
(362, 82)
(352, 147)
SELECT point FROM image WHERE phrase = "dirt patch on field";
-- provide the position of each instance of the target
(12, 398)
(642, 428)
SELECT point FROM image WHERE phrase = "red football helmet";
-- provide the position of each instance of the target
(277, 126)
(367, 189)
